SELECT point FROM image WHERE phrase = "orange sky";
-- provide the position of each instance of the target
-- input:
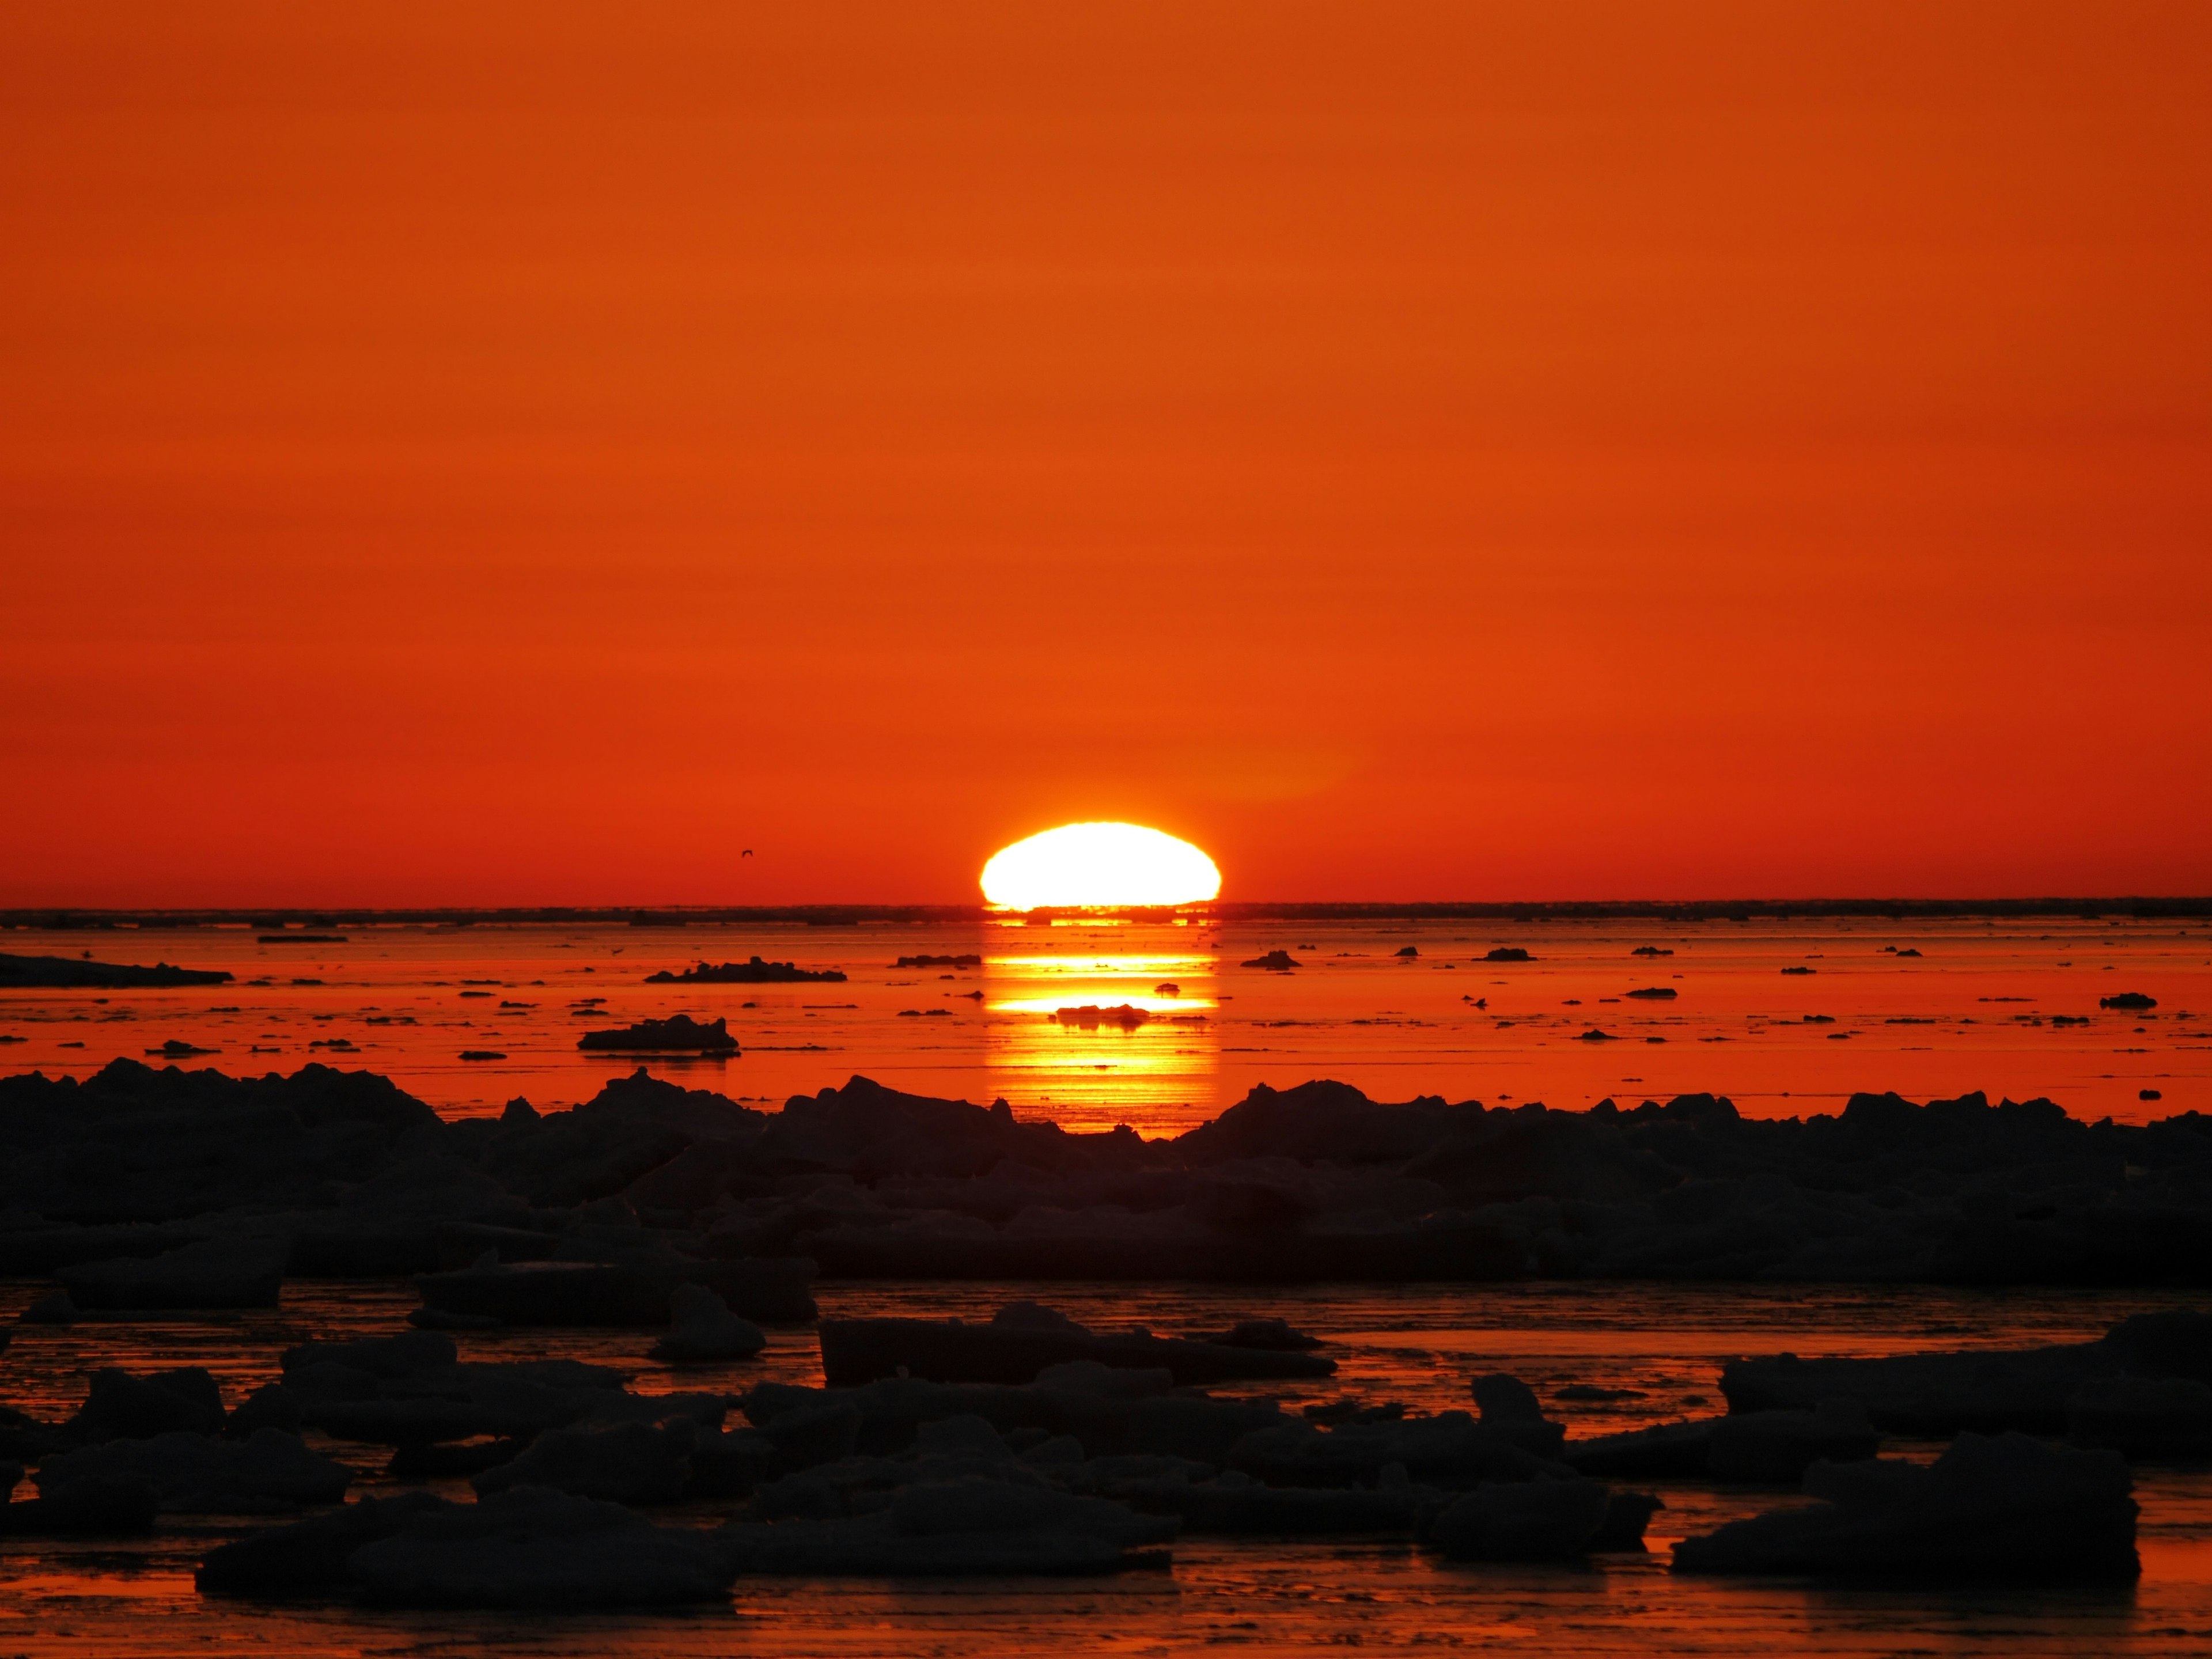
(525, 453)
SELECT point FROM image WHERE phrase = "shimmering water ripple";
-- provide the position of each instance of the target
(1985, 1005)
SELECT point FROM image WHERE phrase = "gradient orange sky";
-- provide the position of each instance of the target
(525, 453)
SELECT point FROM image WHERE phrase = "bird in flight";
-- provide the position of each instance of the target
(747, 854)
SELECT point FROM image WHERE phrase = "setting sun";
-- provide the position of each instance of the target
(1099, 864)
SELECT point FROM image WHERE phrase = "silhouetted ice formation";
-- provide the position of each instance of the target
(2007, 1507)
(756, 972)
(178, 1049)
(994, 1460)
(1009, 1457)
(1087, 1467)
(703, 1329)
(89, 1508)
(1024, 1339)
(963, 1506)
(1762, 1446)
(677, 1034)
(1089, 1017)
(2080, 1387)
(2143, 1418)
(144, 1188)
(119, 1406)
(1029, 1443)
(640, 1289)
(197, 1473)
(623, 1462)
(528, 1548)
(69, 973)
(243, 1270)
(1523, 1520)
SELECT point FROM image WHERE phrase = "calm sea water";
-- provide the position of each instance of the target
(1985, 1005)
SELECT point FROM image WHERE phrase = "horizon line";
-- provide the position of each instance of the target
(63, 918)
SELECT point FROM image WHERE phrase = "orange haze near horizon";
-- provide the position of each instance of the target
(526, 454)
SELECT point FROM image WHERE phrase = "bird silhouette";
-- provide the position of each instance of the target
(747, 854)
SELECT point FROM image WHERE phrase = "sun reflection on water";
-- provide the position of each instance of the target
(1091, 1039)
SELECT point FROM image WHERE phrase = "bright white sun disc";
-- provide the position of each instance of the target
(1103, 865)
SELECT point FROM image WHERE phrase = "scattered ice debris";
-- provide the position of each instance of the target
(677, 1034)
(755, 972)
(701, 1328)
(2002, 1507)
(1022, 1339)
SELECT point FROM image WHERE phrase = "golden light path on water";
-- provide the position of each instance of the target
(1103, 1038)
(1098, 1040)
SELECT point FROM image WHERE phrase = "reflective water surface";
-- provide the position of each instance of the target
(1783, 1017)
(1420, 1344)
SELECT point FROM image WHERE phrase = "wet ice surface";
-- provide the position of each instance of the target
(1979, 1008)
(1236, 1597)
(1419, 1344)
